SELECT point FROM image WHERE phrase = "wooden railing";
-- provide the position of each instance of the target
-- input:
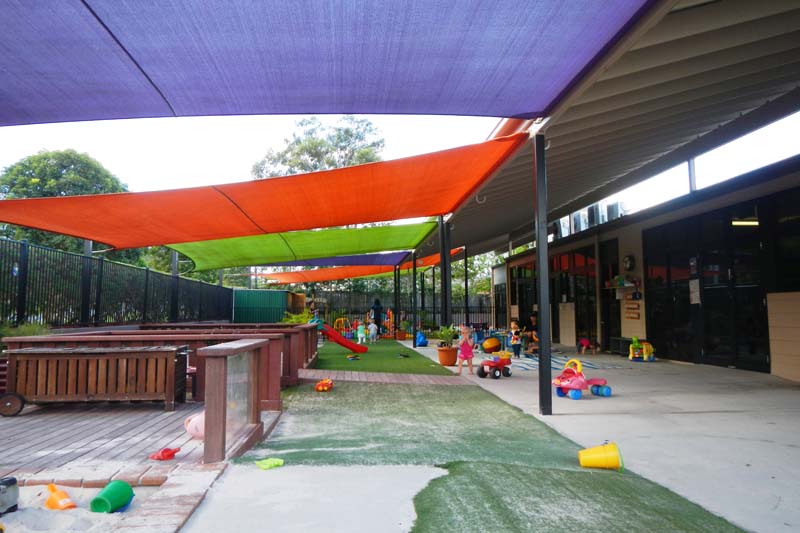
(232, 419)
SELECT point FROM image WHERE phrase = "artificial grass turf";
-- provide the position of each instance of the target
(383, 356)
(507, 470)
(470, 498)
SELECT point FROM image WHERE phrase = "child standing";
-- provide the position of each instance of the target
(516, 338)
(361, 332)
(465, 344)
(373, 331)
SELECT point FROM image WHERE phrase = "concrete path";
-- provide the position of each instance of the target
(312, 374)
(726, 439)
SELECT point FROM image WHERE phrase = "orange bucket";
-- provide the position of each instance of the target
(603, 456)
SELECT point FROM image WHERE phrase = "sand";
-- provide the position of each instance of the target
(33, 516)
(308, 498)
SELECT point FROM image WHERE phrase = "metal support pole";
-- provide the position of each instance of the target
(173, 304)
(146, 292)
(542, 275)
(22, 283)
(466, 287)
(98, 293)
(219, 279)
(396, 313)
(444, 253)
(414, 298)
(433, 296)
(86, 283)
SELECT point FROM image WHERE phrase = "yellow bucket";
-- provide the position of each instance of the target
(603, 456)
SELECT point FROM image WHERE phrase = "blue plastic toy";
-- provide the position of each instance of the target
(421, 340)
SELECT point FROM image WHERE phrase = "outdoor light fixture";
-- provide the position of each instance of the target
(736, 222)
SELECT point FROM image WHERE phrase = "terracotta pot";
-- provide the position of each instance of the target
(447, 356)
(400, 335)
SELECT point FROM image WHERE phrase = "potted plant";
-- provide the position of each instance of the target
(447, 352)
(400, 334)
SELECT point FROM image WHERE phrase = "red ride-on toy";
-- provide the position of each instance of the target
(572, 382)
(500, 364)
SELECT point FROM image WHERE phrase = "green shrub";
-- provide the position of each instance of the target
(23, 330)
(299, 318)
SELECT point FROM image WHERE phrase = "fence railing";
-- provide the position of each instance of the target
(46, 286)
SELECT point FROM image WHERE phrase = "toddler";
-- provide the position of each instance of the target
(465, 344)
(516, 338)
(373, 331)
(361, 332)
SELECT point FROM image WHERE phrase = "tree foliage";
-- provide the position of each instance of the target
(59, 173)
(352, 141)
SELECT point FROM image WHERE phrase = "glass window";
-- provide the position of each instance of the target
(787, 241)
(762, 147)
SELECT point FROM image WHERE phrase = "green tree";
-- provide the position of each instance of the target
(160, 258)
(352, 141)
(59, 173)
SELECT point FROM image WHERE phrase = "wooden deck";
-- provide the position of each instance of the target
(90, 444)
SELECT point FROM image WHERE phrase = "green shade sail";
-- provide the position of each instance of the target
(298, 245)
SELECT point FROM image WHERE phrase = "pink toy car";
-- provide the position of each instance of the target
(572, 382)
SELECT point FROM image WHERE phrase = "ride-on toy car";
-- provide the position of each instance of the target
(499, 364)
(572, 382)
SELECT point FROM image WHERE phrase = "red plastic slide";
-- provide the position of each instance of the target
(333, 335)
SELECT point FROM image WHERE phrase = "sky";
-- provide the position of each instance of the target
(173, 153)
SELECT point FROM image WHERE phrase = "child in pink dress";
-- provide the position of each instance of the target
(465, 345)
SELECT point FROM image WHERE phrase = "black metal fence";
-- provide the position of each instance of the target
(46, 286)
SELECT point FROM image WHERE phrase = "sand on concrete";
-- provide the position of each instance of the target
(32, 515)
(313, 498)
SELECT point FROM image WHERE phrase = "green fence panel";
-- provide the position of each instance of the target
(258, 305)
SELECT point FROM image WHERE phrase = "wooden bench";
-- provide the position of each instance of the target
(47, 374)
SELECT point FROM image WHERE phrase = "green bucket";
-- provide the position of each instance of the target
(115, 495)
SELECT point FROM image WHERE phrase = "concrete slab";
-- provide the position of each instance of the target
(727, 439)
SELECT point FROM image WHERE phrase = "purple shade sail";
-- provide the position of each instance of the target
(100, 59)
(392, 258)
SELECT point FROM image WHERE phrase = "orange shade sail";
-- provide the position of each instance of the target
(420, 186)
(349, 272)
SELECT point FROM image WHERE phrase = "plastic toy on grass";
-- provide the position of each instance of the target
(604, 456)
(353, 357)
(324, 385)
(572, 382)
(58, 500)
(497, 365)
(642, 352)
(269, 463)
(164, 454)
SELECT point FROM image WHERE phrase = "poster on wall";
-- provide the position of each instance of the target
(694, 291)
(515, 311)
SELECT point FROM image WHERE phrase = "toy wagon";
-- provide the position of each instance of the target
(497, 365)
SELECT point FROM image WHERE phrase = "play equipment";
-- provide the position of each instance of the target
(491, 345)
(642, 352)
(333, 335)
(422, 341)
(572, 382)
(58, 500)
(269, 463)
(497, 365)
(341, 324)
(604, 456)
(164, 454)
(324, 385)
(196, 425)
(114, 497)
(9, 495)
(353, 357)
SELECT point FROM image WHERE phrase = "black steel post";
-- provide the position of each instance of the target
(173, 301)
(86, 282)
(396, 313)
(414, 299)
(422, 290)
(542, 275)
(444, 254)
(433, 296)
(22, 283)
(146, 293)
(466, 287)
(98, 293)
